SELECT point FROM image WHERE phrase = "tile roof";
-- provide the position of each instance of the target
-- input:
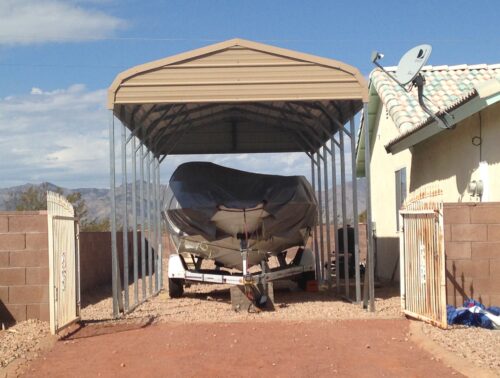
(446, 87)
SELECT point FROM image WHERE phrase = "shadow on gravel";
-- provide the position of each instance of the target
(90, 297)
(95, 328)
(289, 294)
(219, 295)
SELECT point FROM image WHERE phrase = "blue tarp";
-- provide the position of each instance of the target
(463, 316)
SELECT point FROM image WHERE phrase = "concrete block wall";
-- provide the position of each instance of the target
(24, 270)
(95, 258)
(472, 246)
(24, 264)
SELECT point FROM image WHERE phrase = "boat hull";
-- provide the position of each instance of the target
(211, 209)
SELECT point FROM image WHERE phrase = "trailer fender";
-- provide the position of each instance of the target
(176, 267)
(307, 260)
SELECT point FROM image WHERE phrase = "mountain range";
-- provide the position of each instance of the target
(98, 202)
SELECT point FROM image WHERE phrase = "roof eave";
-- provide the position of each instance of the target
(473, 105)
(373, 106)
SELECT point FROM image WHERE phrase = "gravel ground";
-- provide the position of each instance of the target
(211, 303)
(24, 341)
(478, 345)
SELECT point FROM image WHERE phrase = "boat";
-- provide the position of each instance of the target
(219, 213)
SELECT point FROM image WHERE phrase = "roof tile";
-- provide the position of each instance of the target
(445, 87)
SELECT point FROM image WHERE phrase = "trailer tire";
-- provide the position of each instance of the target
(175, 287)
(302, 281)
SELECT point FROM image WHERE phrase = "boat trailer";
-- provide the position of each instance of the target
(256, 287)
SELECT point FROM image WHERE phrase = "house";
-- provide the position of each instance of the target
(411, 152)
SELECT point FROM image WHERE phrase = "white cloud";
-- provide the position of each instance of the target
(61, 136)
(287, 164)
(41, 21)
(58, 136)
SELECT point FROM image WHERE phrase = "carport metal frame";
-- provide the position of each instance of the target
(315, 126)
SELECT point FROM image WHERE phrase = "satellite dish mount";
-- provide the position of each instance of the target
(408, 72)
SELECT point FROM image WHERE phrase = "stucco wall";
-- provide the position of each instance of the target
(448, 161)
(383, 191)
(451, 161)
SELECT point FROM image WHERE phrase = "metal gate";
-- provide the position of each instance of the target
(422, 265)
(64, 263)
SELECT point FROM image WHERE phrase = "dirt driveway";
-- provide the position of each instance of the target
(352, 348)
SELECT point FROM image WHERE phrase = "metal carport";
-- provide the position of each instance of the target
(236, 96)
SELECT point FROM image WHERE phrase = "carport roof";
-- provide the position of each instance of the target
(237, 96)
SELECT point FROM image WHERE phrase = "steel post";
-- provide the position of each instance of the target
(148, 213)
(134, 220)
(327, 221)
(124, 215)
(371, 262)
(143, 228)
(160, 241)
(335, 216)
(355, 209)
(315, 231)
(154, 222)
(345, 243)
(112, 188)
(320, 214)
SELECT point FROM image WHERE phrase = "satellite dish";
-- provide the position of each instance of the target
(408, 71)
(412, 62)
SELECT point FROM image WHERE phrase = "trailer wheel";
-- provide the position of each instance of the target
(302, 281)
(175, 287)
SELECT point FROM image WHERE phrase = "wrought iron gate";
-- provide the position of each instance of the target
(64, 263)
(422, 265)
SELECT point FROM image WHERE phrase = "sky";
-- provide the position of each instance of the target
(57, 58)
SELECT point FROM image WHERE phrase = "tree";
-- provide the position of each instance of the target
(362, 217)
(96, 225)
(79, 205)
(32, 199)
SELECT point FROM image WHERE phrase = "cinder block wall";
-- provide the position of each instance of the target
(472, 245)
(24, 264)
(24, 271)
(95, 258)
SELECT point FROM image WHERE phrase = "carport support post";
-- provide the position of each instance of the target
(315, 231)
(327, 217)
(160, 244)
(154, 221)
(124, 220)
(320, 208)
(335, 215)
(344, 214)
(134, 219)
(143, 229)
(114, 253)
(371, 262)
(355, 209)
(148, 212)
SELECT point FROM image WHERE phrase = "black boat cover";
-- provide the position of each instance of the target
(198, 189)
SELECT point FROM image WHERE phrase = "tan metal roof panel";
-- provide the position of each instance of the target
(241, 69)
(237, 96)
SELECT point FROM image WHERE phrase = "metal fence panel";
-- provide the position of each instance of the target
(423, 283)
